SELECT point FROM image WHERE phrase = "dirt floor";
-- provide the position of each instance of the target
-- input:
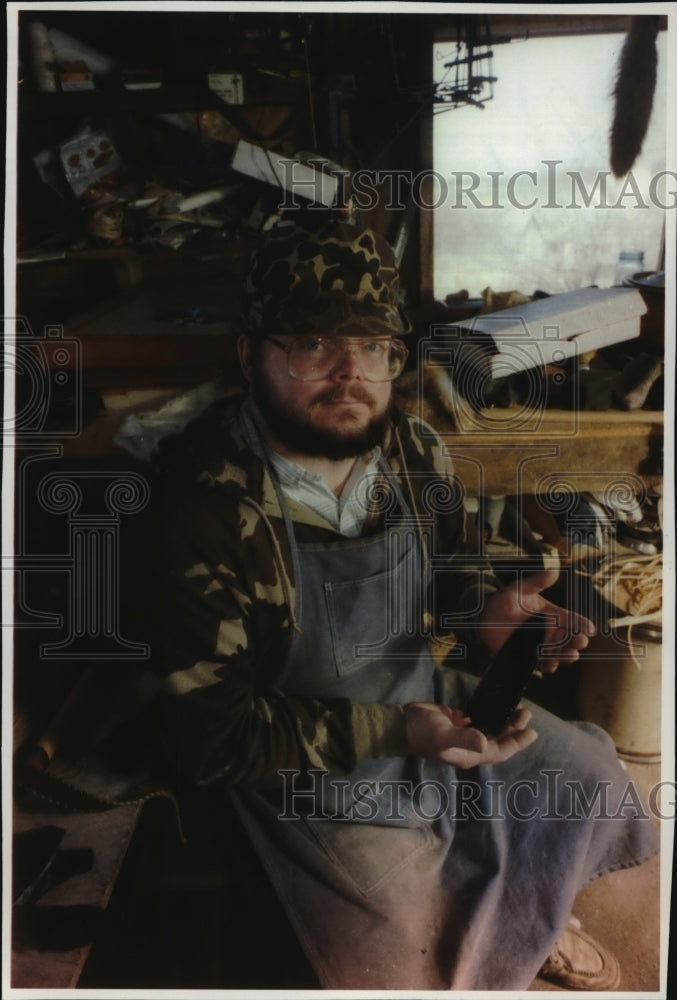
(622, 911)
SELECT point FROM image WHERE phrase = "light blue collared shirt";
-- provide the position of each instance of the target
(346, 512)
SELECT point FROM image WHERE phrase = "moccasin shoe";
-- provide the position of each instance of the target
(578, 962)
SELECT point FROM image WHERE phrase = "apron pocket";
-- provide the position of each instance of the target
(368, 856)
(365, 615)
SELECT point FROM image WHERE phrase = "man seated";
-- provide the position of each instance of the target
(303, 524)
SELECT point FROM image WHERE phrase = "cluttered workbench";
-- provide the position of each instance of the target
(141, 352)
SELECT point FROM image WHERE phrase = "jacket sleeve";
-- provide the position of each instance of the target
(222, 633)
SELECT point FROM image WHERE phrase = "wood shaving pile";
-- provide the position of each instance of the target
(634, 584)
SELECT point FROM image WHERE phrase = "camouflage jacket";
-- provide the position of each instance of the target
(227, 614)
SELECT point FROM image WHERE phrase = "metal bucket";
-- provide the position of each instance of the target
(619, 688)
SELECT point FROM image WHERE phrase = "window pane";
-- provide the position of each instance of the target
(509, 219)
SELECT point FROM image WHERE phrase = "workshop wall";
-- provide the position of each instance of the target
(129, 123)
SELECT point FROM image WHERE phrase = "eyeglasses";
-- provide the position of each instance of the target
(312, 358)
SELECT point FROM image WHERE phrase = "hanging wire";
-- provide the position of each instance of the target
(311, 101)
(468, 84)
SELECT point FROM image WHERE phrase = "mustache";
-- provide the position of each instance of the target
(339, 394)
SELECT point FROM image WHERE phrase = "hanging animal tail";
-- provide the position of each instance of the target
(634, 92)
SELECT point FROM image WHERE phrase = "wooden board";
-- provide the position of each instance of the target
(109, 835)
(137, 339)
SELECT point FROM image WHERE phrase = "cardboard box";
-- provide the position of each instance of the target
(75, 76)
(229, 87)
(552, 330)
(76, 81)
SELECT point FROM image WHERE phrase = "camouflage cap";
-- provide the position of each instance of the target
(339, 278)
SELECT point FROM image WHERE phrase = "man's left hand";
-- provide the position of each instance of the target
(566, 633)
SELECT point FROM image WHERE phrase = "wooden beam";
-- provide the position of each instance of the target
(515, 27)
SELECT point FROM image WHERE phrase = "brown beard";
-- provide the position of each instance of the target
(334, 443)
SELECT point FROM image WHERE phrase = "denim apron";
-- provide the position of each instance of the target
(406, 874)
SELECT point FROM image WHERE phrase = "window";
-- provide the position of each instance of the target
(525, 198)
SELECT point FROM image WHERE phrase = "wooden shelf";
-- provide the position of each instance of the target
(507, 451)
(569, 452)
(135, 340)
(160, 100)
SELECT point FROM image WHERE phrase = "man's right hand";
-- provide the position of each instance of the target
(438, 732)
